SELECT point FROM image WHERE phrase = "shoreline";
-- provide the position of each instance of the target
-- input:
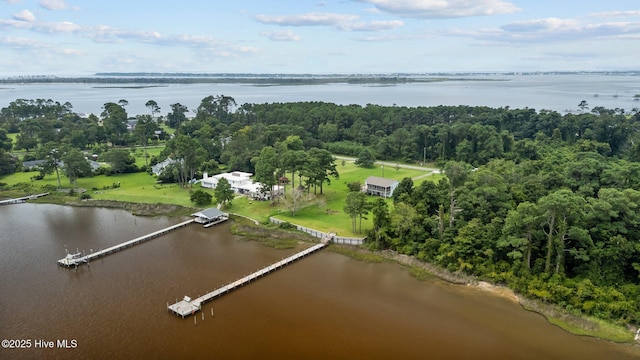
(576, 325)
(573, 324)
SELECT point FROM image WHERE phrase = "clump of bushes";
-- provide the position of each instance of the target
(287, 226)
(200, 197)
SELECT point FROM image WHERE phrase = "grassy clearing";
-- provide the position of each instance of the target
(142, 187)
(136, 187)
(138, 153)
(270, 235)
(325, 212)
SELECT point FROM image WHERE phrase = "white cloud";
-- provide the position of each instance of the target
(25, 15)
(535, 31)
(54, 4)
(308, 19)
(36, 46)
(286, 35)
(548, 24)
(72, 52)
(385, 37)
(372, 10)
(58, 27)
(615, 14)
(371, 25)
(13, 2)
(562, 29)
(562, 56)
(343, 22)
(107, 34)
(551, 30)
(21, 43)
(435, 9)
(17, 24)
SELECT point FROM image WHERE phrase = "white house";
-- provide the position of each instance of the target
(378, 186)
(159, 167)
(240, 182)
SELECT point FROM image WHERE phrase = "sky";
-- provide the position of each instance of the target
(78, 38)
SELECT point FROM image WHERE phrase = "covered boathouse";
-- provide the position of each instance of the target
(210, 217)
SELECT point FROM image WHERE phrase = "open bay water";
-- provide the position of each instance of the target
(323, 306)
(561, 93)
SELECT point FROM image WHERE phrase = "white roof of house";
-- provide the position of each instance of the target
(234, 175)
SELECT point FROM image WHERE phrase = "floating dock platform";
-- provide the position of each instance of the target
(78, 259)
(188, 306)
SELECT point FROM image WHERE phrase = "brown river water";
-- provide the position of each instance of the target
(325, 306)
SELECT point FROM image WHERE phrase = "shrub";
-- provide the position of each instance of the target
(201, 197)
(287, 225)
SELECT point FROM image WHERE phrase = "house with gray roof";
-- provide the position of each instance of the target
(159, 167)
(378, 186)
(32, 164)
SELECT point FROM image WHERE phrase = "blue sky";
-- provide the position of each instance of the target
(73, 37)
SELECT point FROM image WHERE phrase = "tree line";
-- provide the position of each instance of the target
(544, 202)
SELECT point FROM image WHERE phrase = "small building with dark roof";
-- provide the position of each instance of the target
(210, 215)
(378, 186)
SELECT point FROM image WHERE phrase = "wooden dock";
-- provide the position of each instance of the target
(188, 306)
(78, 259)
(22, 199)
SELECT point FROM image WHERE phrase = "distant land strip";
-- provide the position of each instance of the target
(128, 87)
(262, 81)
(149, 78)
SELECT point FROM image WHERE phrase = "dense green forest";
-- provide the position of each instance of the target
(543, 202)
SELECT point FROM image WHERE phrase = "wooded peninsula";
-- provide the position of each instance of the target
(544, 203)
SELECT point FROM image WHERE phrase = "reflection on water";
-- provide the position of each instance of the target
(323, 306)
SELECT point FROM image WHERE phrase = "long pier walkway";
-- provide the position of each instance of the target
(78, 259)
(22, 199)
(188, 306)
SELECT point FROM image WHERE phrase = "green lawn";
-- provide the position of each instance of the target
(151, 151)
(324, 213)
(136, 187)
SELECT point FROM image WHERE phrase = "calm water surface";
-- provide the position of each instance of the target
(323, 306)
(561, 93)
